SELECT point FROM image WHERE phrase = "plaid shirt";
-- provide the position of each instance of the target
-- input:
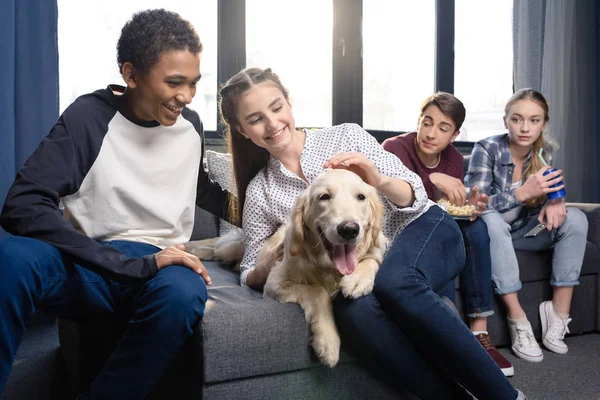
(491, 169)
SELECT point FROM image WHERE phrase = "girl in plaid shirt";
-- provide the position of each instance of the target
(507, 168)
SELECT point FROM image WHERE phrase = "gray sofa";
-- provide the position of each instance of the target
(248, 347)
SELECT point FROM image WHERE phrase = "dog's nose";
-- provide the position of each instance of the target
(348, 230)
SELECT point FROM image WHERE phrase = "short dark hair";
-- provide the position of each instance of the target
(449, 105)
(149, 33)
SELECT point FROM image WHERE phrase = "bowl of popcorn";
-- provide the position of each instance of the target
(457, 212)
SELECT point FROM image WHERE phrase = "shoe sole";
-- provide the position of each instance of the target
(508, 371)
(548, 345)
(527, 357)
(553, 348)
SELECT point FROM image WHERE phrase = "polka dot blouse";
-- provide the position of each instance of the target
(272, 193)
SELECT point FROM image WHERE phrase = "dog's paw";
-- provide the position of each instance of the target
(327, 348)
(356, 285)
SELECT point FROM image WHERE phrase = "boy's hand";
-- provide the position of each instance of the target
(176, 255)
(451, 187)
(479, 200)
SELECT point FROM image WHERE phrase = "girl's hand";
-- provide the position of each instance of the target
(360, 165)
(479, 200)
(266, 260)
(176, 255)
(554, 212)
(451, 187)
(539, 185)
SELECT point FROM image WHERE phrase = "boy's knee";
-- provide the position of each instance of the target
(18, 248)
(181, 287)
(20, 255)
(11, 249)
(477, 232)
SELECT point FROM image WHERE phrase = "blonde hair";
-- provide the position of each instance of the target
(248, 158)
(534, 163)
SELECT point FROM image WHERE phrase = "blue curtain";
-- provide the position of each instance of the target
(28, 81)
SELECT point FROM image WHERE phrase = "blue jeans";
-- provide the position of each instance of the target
(162, 311)
(404, 328)
(568, 242)
(476, 277)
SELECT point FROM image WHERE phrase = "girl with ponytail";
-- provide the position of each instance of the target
(512, 170)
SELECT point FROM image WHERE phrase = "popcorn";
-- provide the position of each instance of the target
(456, 211)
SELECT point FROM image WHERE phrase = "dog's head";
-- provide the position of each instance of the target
(339, 215)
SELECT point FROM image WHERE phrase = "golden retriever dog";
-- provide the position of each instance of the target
(333, 242)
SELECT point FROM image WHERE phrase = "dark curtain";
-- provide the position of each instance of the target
(28, 81)
(597, 66)
(555, 52)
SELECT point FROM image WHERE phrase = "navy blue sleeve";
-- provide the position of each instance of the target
(210, 196)
(57, 169)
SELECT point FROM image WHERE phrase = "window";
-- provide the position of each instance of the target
(388, 69)
(483, 77)
(87, 40)
(398, 62)
(294, 39)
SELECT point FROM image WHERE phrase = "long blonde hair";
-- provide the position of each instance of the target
(534, 162)
(248, 158)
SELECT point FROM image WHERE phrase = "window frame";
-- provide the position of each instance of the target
(347, 62)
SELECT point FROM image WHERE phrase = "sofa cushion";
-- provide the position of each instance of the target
(206, 225)
(219, 170)
(248, 335)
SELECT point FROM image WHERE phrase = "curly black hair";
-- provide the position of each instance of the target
(149, 33)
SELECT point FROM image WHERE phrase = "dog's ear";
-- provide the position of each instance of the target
(298, 225)
(376, 218)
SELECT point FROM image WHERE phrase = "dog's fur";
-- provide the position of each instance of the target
(333, 242)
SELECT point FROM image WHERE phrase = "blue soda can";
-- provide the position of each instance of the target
(559, 194)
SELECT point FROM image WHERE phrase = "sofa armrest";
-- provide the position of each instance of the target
(592, 211)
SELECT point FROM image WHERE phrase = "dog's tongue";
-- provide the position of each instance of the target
(345, 258)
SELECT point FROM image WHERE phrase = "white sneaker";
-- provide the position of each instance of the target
(524, 344)
(554, 328)
(521, 395)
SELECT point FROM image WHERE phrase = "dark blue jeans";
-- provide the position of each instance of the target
(476, 277)
(404, 328)
(161, 312)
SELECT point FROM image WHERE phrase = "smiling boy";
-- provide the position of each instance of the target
(429, 152)
(126, 163)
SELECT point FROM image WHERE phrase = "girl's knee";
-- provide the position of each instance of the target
(495, 225)
(351, 311)
(576, 221)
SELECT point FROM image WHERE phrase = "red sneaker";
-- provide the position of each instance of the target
(500, 360)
